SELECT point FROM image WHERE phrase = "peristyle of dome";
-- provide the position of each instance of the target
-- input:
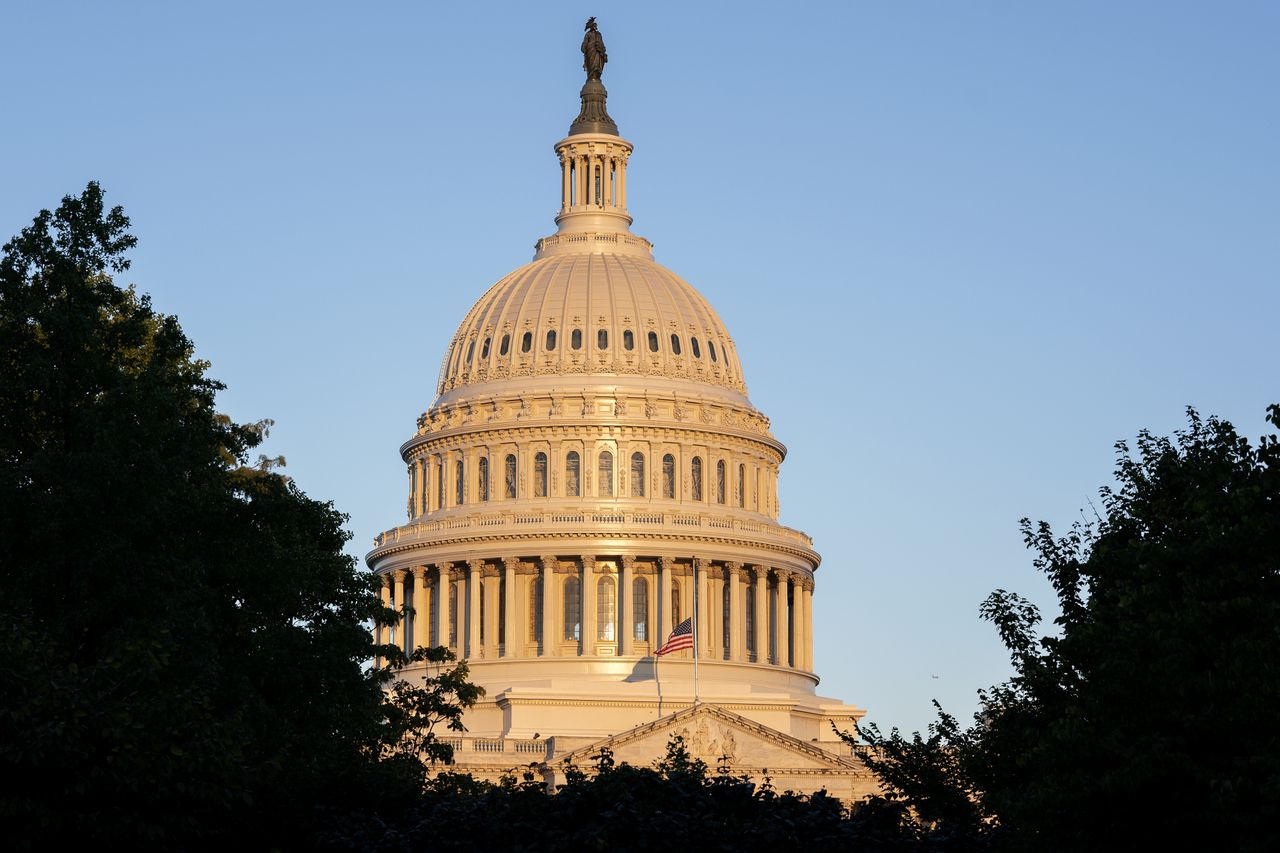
(590, 474)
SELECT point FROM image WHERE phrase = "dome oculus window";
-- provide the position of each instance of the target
(604, 470)
(628, 340)
(573, 474)
(606, 608)
(637, 475)
(471, 351)
(693, 345)
(575, 339)
(505, 346)
(551, 340)
(572, 609)
(540, 475)
(653, 342)
(711, 348)
(526, 342)
(602, 339)
(535, 609)
(484, 349)
(640, 609)
(675, 343)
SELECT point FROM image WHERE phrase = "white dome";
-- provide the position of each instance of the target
(594, 317)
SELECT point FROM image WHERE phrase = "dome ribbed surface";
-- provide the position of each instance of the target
(507, 332)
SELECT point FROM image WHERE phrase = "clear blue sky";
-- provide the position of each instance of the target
(962, 247)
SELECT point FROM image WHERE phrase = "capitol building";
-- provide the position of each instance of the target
(591, 472)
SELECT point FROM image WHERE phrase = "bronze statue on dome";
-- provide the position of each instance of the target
(593, 55)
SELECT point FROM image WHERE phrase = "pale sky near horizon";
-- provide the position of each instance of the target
(963, 248)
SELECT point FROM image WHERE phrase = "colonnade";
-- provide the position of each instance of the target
(510, 607)
(592, 179)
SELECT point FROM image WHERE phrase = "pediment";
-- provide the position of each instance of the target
(718, 737)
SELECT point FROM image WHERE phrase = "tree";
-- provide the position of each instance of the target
(1147, 720)
(414, 710)
(182, 638)
(617, 806)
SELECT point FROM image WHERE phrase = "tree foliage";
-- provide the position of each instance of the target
(182, 638)
(617, 806)
(414, 710)
(1146, 720)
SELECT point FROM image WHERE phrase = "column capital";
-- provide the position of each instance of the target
(666, 563)
(475, 565)
(400, 574)
(509, 562)
(550, 561)
(588, 562)
(419, 572)
(627, 562)
(699, 564)
(734, 567)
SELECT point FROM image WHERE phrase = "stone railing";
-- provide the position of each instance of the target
(612, 237)
(524, 749)
(554, 521)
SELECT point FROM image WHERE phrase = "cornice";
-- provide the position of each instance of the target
(588, 427)
(496, 540)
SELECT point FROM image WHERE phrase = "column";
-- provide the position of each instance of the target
(762, 615)
(421, 608)
(784, 627)
(588, 606)
(604, 180)
(566, 191)
(513, 631)
(808, 625)
(459, 614)
(706, 626)
(402, 598)
(442, 605)
(550, 638)
(626, 627)
(380, 632)
(622, 182)
(736, 628)
(716, 603)
(798, 623)
(492, 609)
(581, 163)
(473, 609)
(664, 602)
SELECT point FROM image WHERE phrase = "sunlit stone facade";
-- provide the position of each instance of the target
(592, 470)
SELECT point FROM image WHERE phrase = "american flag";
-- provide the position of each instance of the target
(681, 638)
